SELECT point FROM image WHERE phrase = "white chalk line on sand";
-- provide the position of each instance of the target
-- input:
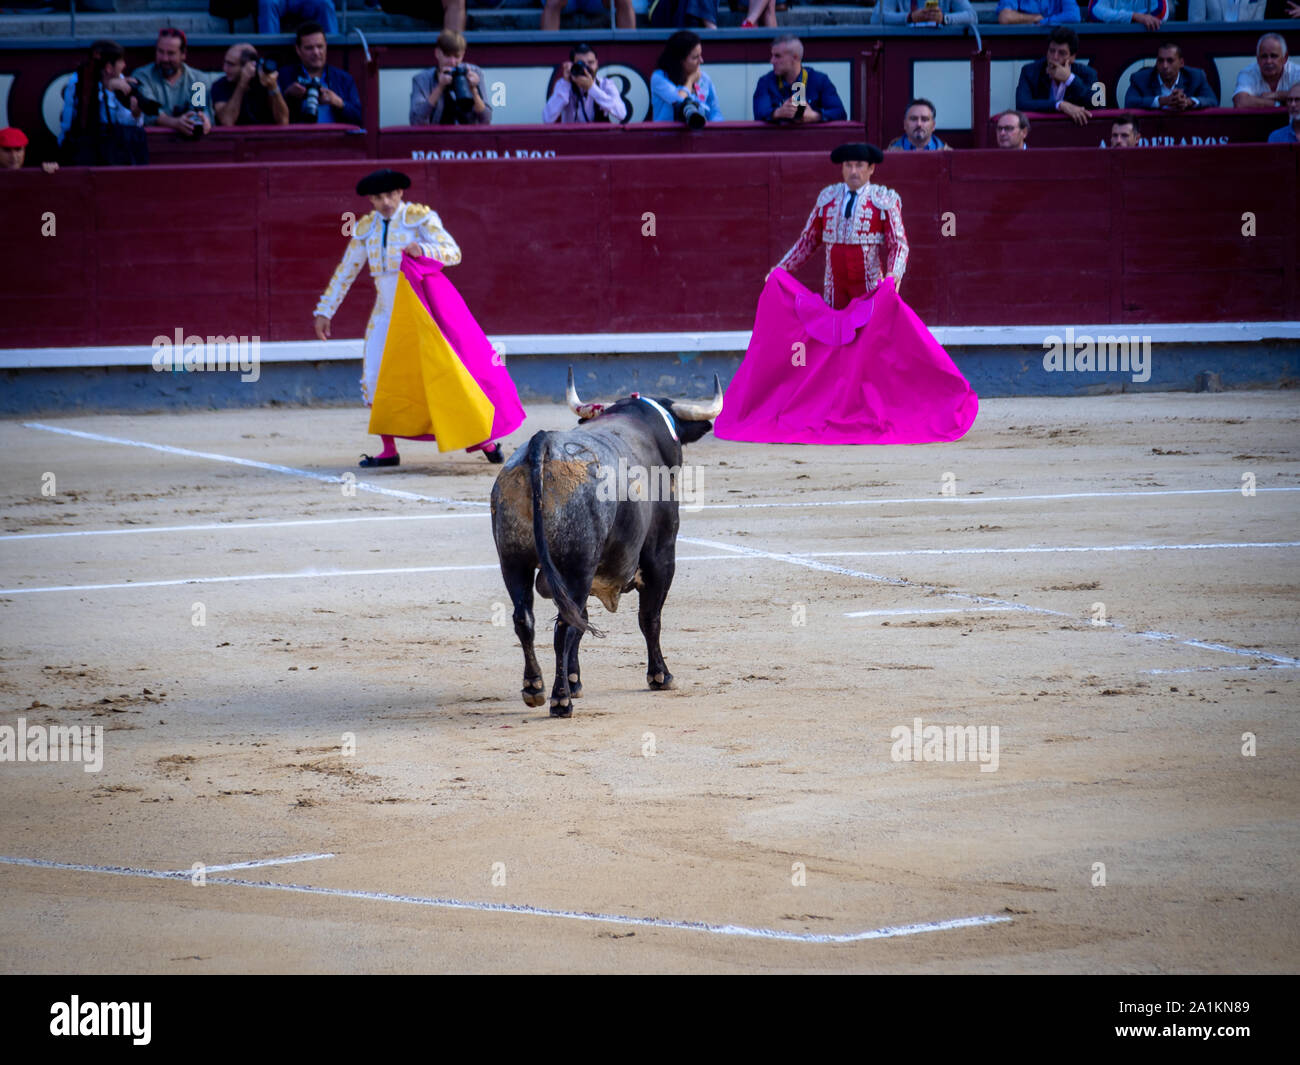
(392, 570)
(271, 467)
(369, 486)
(256, 864)
(890, 932)
(301, 575)
(983, 601)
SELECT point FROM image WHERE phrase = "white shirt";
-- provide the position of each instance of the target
(1252, 81)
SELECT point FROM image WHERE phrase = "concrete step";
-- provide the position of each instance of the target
(142, 18)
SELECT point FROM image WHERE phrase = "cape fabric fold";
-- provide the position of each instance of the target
(440, 378)
(868, 374)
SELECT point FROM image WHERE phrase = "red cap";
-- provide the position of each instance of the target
(12, 137)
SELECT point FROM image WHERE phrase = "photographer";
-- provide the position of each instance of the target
(679, 88)
(449, 93)
(174, 86)
(317, 92)
(248, 94)
(581, 96)
(103, 113)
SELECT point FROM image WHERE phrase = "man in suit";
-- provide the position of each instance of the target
(1058, 83)
(1169, 86)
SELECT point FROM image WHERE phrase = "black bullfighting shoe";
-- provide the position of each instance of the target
(496, 456)
(367, 461)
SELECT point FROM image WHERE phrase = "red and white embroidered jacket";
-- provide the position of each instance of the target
(876, 224)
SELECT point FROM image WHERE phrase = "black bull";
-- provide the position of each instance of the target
(565, 508)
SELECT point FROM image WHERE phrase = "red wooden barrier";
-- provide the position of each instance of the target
(557, 245)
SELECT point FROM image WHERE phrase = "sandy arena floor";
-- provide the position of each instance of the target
(1098, 588)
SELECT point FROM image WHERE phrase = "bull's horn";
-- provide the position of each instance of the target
(582, 410)
(700, 412)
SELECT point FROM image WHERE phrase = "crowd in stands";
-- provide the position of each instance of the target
(105, 111)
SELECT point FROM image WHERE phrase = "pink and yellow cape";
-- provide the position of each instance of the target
(440, 378)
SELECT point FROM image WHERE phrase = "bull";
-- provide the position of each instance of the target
(564, 509)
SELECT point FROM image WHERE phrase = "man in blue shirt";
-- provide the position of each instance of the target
(338, 99)
(1038, 12)
(775, 95)
(1287, 134)
(918, 130)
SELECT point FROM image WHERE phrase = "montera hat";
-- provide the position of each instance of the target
(382, 181)
(867, 153)
(12, 137)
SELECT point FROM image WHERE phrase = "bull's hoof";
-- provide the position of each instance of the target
(533, 698)
(561, 708)
(660, 682)
(575, 686)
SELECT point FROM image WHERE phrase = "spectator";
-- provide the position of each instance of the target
(581, 96)
(624, 15)
(1124, 132)
(918, 130)
(269, 13)
(1170, 86)
(1288, 133)
(439, 98)
(102, 119)
(248, 94)
(1058, 83)
(1148, 13)
(13, 151)
(1012, 129)
(1225, 10)
(333, 96)
(679, 76)
(761, 13)
(928, 12)
(175, 86)
(774, 96)
(452, 13)
(1038, 12)
(1265, 82)
(664, 14)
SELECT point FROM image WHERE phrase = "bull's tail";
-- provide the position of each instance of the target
(570, 612)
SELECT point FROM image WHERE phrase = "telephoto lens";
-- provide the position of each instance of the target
(692, 114)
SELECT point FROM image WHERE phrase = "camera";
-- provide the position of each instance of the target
(580, 69)
(196, 117)
(311, 101)
(148, 105)
(690, 112)
(460, 91)
(264, 66)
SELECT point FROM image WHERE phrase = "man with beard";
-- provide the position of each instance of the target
(180, 91)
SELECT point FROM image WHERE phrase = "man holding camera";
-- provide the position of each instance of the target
(581, 96)
(317, 92)
(248, 94)
(449, 93)
(175, 87)
(793, 92)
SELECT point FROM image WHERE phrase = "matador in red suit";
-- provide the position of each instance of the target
(861, 225)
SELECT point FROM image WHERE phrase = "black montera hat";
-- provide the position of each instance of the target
(382, 181)
(867, 153)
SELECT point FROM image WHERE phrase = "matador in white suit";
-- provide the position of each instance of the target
(380, 239)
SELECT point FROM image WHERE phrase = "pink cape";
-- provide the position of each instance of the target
(467, 340)
(868, 374)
